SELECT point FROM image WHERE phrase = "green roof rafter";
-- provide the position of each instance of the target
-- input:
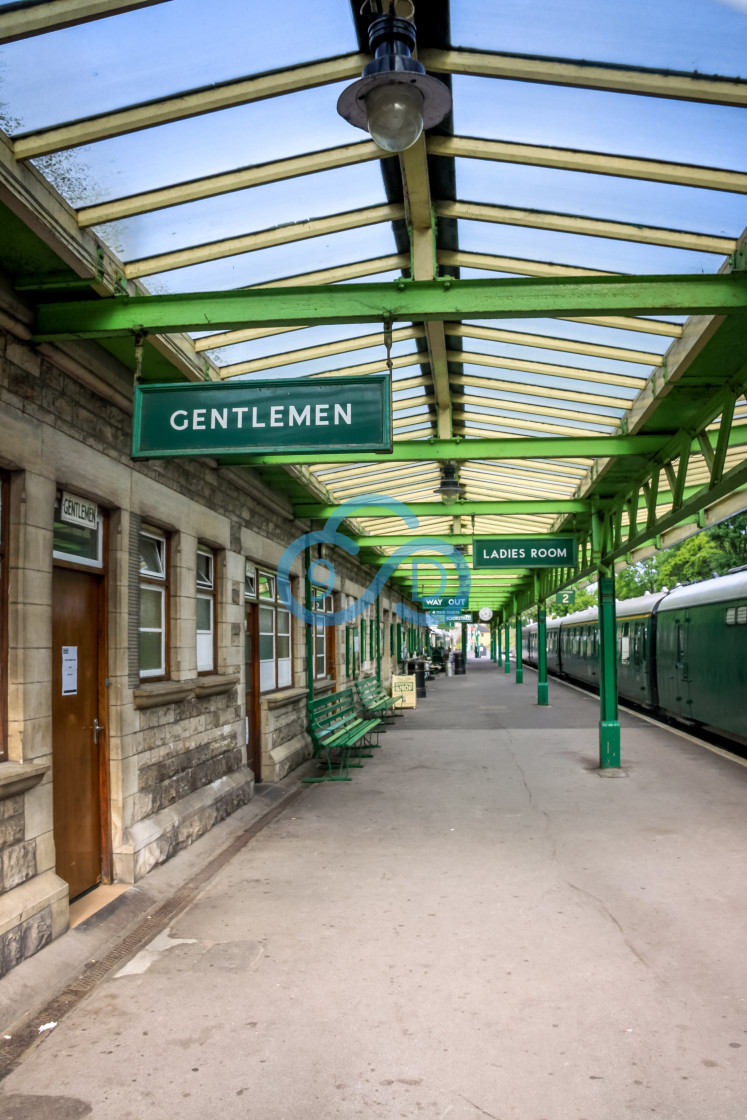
(407, 300)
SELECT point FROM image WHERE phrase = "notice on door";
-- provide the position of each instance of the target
(69, 670)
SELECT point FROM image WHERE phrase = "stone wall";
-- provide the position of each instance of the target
(176, 748)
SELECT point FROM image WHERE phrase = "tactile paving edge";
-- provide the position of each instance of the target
(13, 1049)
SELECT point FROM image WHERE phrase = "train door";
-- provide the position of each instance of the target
(682, 663)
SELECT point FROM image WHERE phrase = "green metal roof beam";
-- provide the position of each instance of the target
(460, 449)
(399, 301)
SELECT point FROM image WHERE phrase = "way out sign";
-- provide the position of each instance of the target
(524, 552)
(252, 417)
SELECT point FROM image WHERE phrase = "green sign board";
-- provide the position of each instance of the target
(566, 598)
(244, 417)
(523, 552)
(445, 619)
(444, 602)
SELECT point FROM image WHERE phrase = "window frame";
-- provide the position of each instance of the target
(282, 667)
(206, 594)
(323, 605)
(151, 581)
(4, 609)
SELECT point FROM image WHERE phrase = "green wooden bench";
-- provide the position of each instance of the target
(375, 701)
(339, 733)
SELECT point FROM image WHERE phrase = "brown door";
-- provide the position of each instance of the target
(251, 667)
(77, 734)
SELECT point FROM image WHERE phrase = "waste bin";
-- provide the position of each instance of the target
(420, 691)
(459, 669)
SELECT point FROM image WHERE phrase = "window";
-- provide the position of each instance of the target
(742, 616)
(323, 638)
(625, 644)
(154, 610)
(3, 616)
(205, 610)
(250, 581)
(77, 535)
(275, 662)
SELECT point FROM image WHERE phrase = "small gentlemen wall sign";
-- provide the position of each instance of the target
(253, 417)
(524, 552)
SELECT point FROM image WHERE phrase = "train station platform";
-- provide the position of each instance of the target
(481, 924)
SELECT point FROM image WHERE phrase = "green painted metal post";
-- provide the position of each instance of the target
(492, 644)
(464, 643)
(499, 645)
(309, 627)
(519, 662)
(542, 690)
(378, 640)
(400, 651)
(508, 646)
(609, 723)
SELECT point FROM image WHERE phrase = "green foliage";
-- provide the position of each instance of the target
(709, 553)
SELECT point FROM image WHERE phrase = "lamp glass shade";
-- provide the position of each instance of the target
(395, 115)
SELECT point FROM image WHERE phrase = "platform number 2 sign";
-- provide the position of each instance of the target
(566, 598)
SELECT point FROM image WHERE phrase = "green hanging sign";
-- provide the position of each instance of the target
(524, 552)
(246, 417)
(566, 598)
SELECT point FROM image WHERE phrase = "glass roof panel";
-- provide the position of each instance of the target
(232, 215)
(159, 51)
(598, 121)
(602, 196)
(583, 332)
(705, 35)
(601, 253)
(206, 145)
(266, 265)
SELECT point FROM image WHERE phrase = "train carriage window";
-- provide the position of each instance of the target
(637, 643)
(625, 644)
(742, 616)
(731, 616)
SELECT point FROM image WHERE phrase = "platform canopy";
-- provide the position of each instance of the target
(556, 271)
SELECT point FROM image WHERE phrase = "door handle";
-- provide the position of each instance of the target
(96, 728)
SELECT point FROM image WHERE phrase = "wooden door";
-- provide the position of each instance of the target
(78, 784)
(251, 676)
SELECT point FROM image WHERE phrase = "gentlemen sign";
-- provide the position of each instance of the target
(523, 552)
(229, 418)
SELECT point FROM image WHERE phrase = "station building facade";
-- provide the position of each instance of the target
(150, 672)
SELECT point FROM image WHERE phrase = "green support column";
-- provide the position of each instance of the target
(542, 690)
(492, 644)
(519, 662)
(378, 640)
(399, 641)
(498, 645)
(508, 647)
(309, 628)
(464, 643)
(609, 723)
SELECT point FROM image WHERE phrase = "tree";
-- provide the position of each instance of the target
(731, 538)
(638, 578)
(695, 559)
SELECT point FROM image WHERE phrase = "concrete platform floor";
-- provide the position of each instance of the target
(479, 925)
